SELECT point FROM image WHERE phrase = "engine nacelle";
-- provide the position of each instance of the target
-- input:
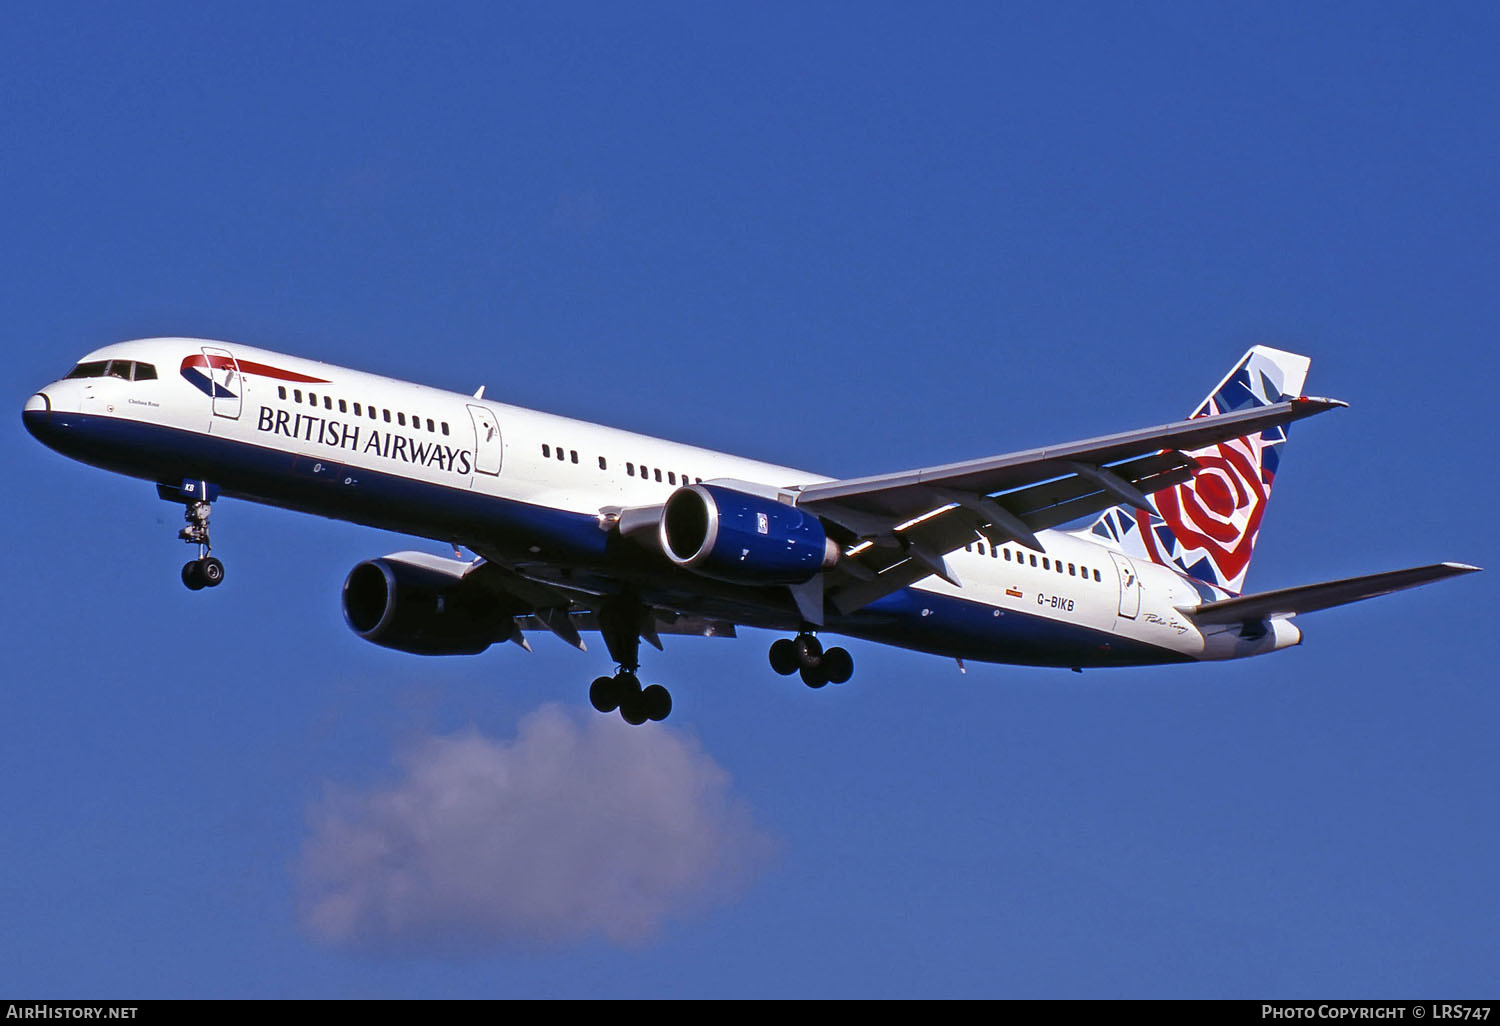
(744, 539)
(420, 603)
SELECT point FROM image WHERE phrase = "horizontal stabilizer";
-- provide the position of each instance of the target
(1312, 597)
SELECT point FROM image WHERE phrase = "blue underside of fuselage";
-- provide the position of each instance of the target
(521, 533)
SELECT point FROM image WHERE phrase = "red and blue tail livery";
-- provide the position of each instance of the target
(576, 528)
(1206, 526)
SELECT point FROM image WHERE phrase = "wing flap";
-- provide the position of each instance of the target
(1310, 598)
(663, 622)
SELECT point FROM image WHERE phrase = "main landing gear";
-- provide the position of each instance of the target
(805, 655)
(637, 704)
(620, 621)
(205, 571)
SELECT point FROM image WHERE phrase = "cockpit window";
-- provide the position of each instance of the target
(127, 370)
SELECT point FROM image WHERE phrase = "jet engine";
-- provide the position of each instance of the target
(743, 539)
(422, 604)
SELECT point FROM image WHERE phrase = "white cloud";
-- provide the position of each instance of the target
(576, 828)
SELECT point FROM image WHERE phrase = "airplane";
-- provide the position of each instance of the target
(576, 527)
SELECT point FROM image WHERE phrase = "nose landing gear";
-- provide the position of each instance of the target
(206, 571)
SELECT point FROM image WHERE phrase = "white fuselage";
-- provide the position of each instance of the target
(344, 429)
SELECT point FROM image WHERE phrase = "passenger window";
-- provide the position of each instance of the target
(657, 472)
(979, 547)
(1097, 577)
(630, 469)
(546, 451)
(562, 457)
(1059, 566)
(1007, 555)
(602, 465)
(372, 411)
(573, 455)
(994, 552)
(281, 391)
(445, 427)
(1070, 569)
(968, 548)
(1033, 558)
(296, 395)
(358, 412)
(343, 406)
(387, 414)
(327, 403)
(671, 477)
(312, 399)
(1046, 563)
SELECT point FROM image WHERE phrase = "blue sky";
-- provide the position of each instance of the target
(851, 241)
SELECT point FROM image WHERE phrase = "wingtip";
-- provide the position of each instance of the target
(1321, 401)
(1462, 568)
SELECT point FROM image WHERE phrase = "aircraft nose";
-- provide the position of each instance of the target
(34, 415)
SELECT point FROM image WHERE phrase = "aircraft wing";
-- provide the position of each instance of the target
(1311, 597)
(901, 525)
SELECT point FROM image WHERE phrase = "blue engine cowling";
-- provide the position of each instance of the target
(419, 603)
(744, 539)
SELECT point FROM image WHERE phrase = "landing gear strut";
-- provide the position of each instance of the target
(806, 656)
(619, 622)
(205, 571)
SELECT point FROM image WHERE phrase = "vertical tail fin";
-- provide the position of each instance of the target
(1207, 527)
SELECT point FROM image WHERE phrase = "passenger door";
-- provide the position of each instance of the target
(1130, 586)
(488, 446)
(228, 387)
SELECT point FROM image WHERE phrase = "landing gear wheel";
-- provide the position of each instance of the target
(628, 694)
(838, 665)
(809, 650)
(604, 695)
(814, 676)
(656, 702)
(192, 575)
(212, 571)
(784, 656)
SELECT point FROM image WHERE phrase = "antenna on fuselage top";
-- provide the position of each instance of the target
(479, 394)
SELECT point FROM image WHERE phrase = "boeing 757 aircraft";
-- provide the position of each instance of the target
(578, 527)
